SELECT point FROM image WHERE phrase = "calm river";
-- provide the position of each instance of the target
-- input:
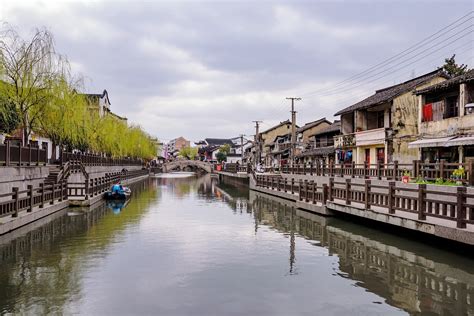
(196, 247)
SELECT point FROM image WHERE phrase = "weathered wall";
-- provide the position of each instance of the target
(99, 171)
(313, 130)
(347, 124)
(405, 124)
(270, 136)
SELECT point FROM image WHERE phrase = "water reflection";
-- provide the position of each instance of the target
(42, 265)
(438, 282)
(197, 246)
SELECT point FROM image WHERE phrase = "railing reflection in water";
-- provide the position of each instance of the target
(404, 279)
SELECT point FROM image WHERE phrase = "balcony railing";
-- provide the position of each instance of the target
(362, 138)
(344, 141)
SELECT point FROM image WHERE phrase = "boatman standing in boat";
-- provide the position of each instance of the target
(117, 188)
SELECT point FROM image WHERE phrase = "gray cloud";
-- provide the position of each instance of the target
(207, 69)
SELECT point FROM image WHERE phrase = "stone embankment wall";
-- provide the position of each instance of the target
(99, 171)
(11, 177)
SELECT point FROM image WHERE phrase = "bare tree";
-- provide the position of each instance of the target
(28, 68)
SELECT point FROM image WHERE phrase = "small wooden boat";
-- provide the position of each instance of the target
(118, 195)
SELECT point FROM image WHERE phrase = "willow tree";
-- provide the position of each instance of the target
(188, 152)
(63, 114)
(28, 69)
(9, 118)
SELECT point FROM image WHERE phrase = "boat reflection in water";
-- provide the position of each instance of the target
(410, 275)
(117, 205)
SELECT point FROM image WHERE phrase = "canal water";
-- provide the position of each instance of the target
(193, 246)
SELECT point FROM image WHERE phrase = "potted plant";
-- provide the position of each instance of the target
(406, 176)
(458, 175)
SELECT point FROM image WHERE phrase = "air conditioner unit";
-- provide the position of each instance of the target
(469, 108)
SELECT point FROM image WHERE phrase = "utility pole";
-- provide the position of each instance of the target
(293, 128)
(242, 148)
(257, 142)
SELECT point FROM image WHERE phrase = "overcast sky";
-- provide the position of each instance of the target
(207, 69)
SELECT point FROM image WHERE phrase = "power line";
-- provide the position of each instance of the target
(405, 52)
(400, 63)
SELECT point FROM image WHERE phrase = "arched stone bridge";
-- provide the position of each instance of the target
(183, 165)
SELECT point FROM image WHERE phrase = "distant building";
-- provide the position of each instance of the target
(210, 147)
(175, 145)
(267, 142)
(101, 104)
(320, 148)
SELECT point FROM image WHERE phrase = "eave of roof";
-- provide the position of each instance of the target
(276, 126)
(334, 127)
(312, 124)
(467, 77)
(389, 93)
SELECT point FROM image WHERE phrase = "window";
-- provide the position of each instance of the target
(381, 155)
(380, 119)
(452, 106)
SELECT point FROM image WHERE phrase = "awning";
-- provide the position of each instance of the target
(430, 142)
(461, 141)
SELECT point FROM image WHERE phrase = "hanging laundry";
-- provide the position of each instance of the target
(427, 112)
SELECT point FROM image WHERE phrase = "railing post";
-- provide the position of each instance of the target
(61, 192)
(16, 202)
(87, 189)
(379, 170)
(470, 172)
(395, 170)
(31, 200)
(348, 191)
(278, 184)
(441, 169)
(300, 187)
(7, 153)
(353, 169)
(284, 184)
(341, 169)
(421, 201)
(53, 186)
(391, 197)
(42, 194)
(19, 155)
(29, 154)
(325, 193)
(38, 156)
(313, 191)
(311, 168)
(330, 189)
(367, 194)
(365, 170)
(415, 170)
(461, 207)
(292, 185)
(306, 191)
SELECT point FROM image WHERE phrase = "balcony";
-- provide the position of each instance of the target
(371, 137)
(364, 138)
(344, 141)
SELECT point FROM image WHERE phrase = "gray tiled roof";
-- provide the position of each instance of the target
(334, 127)
(468, 76)
(389, 93)
(311, 125)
